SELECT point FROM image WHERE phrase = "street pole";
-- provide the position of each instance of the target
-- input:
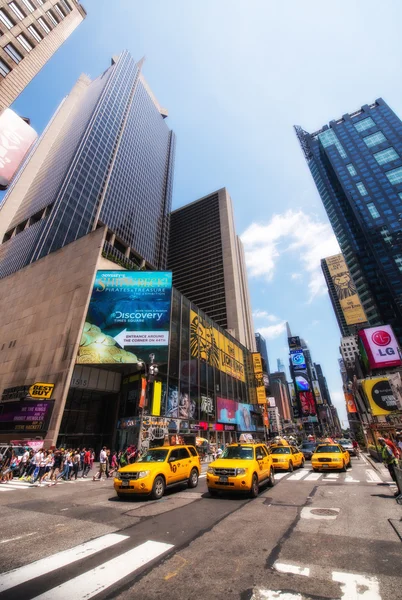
(150, 373)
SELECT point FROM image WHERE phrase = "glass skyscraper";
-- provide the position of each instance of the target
(356, 163)
(106, 158)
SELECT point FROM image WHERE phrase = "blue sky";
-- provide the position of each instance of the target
(236, 75)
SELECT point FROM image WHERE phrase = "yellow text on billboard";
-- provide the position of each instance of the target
(345, 290)
(259, 378)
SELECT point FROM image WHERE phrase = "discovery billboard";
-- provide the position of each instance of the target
(128, 318)
(381, 347)
(345, 290)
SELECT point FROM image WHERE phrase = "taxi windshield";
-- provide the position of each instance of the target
(331, 449)
(280, 450)
(238, 452)
(154, 456)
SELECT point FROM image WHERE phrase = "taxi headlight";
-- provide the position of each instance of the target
(118, 476)
(143, 474)
(241, 471)
(211, 471)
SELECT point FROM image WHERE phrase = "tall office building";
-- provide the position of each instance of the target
(356, 163)
(31, 31)
(261, 346)
(106, 158)
(207, 260)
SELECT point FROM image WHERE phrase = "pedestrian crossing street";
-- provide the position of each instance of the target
(90, 581)
(21, 485)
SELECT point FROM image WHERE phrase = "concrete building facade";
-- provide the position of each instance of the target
(207, 260)
(31, 31)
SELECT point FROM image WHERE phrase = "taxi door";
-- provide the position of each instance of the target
(262, 459)
(174, 470)
(297, 457)
(184, 464)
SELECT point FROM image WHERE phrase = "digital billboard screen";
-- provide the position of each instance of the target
(298, 360)
(128, 318)
(381, 347)
(16, 138)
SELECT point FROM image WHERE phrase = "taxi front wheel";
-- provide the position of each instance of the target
(158, 488)
(271, 479)
(343, 467)
(254, 487)
(290, 469)
(193, 479)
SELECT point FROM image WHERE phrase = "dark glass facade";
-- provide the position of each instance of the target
(261, 345)
(112, 164)
(356, 163)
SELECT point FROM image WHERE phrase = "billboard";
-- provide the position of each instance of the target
(307, 403)
(317, 392)
(350, 403)
(381, 347)
(379, 395)
(396, 387)
(294, 342)
(16, 138)
(209, 344)
(259, 378)
(298, 360)
(345, 290)
(302, 381)
(235, 413)
(26, 415)
(128, 318)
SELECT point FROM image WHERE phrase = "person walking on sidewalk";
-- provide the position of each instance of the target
(388, 459)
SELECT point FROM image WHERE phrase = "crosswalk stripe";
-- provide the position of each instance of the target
(61, 559)
(313, 476)
(331, 475)
(279, 476)
(96, 580)
(297, 476)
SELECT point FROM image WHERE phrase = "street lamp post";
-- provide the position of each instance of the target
(150, 373)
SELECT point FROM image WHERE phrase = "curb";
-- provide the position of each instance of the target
(372, 463)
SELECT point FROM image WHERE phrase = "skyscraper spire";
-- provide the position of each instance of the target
(288, 330)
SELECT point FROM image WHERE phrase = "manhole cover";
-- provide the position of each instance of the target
(327, 512)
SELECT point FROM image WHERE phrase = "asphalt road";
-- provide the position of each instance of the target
(312, 536)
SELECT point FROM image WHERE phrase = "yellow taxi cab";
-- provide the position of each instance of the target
(330, 456)
(158, 469)
(286, 457)
(241, 468)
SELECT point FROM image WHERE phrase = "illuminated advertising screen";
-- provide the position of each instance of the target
(350, 403)
(298, 360)
(233, 412)
(26, 415)
(345, 289)
(307, 403)
(294, 342)
(302, 382)
(381, 347)
(128, 318)
(317, 392)
(380, 396)
(16, 138)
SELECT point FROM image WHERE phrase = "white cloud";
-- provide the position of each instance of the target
(263, 314)
(272, 331)
(296, 233)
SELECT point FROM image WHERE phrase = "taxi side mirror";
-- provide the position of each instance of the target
(259, 457)
(171, 459)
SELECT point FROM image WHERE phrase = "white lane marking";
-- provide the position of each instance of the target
(306, 513)
(313, 477)
(274, 595)
(372, 476)
(13, 486)
(354, 586)
(295, 569)
(297, 476)
(96, 580)
(56, 561)
(331, 475)
(279, 476)
(201, 476)
(349, 479)
(19, 537)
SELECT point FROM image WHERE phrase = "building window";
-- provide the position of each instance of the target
(16, 10)
(5, 19)
(374, 139)
(398, 261)
(35, 33)
(4, 68)
(13, 53)
(29, 5)
(52, 18)
(373, 211)
(329, 138)
(59, 11)
(362, 188)
(24, 42)
(386, 156)
(365, 124)
(44, 25)
(351, 169)
(395, 176)
(66, 5)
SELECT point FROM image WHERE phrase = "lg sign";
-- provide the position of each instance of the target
(381, 347)
(381, 338)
